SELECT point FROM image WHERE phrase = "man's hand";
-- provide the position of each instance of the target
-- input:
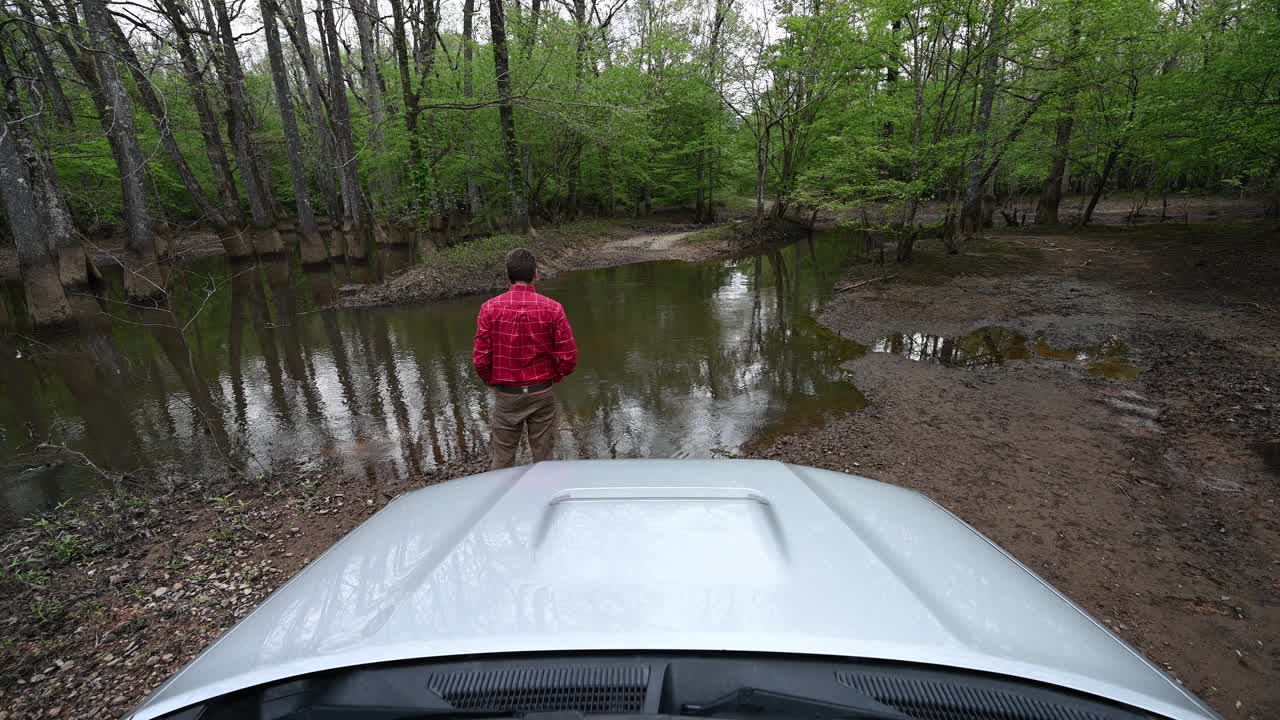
(482, 348)
(566, 349)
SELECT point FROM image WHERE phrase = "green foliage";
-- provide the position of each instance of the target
(1180, 99)
(47, 610)
(852, 103)
(481, 252)
(66, 547)
(712, 234)
(18, 575)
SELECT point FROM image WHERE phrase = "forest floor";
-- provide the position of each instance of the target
(1153, 502)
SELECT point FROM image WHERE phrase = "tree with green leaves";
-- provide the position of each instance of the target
(557, 110)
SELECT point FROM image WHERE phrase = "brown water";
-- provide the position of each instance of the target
(676, 359)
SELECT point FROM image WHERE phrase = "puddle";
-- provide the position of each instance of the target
(990, 346)
(1114, 369)
(981, 348)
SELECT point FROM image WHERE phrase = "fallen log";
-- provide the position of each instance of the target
(857, 285)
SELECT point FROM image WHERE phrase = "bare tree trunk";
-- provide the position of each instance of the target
(37, 261)
(506, 116)
(76, 45)
(353, 226)
(234, 242)
(706, 155)
(51, 204)
(762, 170)
(424, 50)
(700, 210)
(71, 38)
(579, 70)
(266, 239)
(312, 245)
(406, 84)
(711, 186)
(1051, 196)
(160, 118)
(526, 148)
(142, 274)
(972, 212)
(788, 133)
(379, 188)
(48, 73)
(327, 176)
(73, 262)
(468, 91)
(1112, 155)
(535, 12)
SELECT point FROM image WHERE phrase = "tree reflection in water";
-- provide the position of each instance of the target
(677, 359)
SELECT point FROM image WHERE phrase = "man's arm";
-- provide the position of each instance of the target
(482, 348)
(565, 350)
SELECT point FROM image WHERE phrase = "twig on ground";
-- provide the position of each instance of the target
(857, 285)
(1250, 303)
(83, 458)
(1121, 489)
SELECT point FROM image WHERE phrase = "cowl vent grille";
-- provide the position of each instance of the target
(584, 688)
(933, 700)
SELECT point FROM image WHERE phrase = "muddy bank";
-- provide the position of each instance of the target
(104, 600)
(475, 267)
(1149, 502)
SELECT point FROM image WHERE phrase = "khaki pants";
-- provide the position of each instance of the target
(512, 413)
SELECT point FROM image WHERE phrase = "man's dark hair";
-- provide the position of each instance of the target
(522, 266)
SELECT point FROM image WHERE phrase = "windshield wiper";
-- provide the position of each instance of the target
(752, 699)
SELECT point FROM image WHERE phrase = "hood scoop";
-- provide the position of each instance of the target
(622, 536)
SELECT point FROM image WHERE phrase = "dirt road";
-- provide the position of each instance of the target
(1151, 502)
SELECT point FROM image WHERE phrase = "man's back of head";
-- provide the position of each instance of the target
(522, 266)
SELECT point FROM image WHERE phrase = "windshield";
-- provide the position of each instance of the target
(566, 687)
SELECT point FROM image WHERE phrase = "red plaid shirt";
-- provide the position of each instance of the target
(523, 338)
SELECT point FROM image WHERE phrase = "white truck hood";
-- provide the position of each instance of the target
(661, 555)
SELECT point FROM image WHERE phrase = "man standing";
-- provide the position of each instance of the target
(523, 347)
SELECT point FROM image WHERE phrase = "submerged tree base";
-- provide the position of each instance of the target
(235, 243)
(266, 241)
(311, 249)
(354, 239)
(47, 306)
(143, 283)
(73, 267)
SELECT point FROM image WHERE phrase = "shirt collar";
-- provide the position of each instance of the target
(522, 288)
